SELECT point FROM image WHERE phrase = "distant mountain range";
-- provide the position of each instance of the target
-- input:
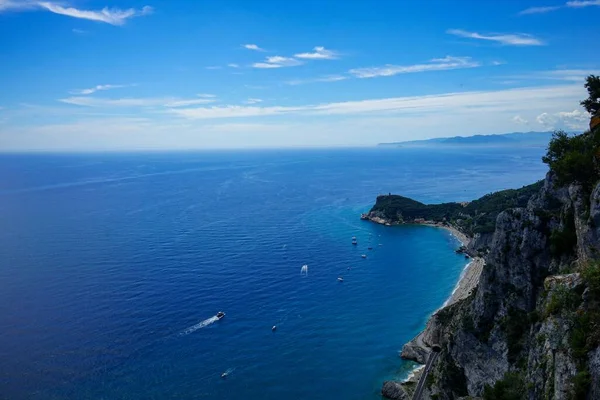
(528, 139)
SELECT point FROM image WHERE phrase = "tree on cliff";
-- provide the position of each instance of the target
(577, 158)
(592, 103)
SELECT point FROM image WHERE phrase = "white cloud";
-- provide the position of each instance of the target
(253, 101)
(437, 64)
(320, 53)
(585, 3)
(573, 120)
(17, 5)
(278, 62)
(206, 95)
(568, 4)
(213, 67)
(98, 88)
(328, 78)
(252, 47)
(79, 31)
(362, 122)
(511, 100)
(566, 75)
(538, 10)
(169, 102)
(506, 39)
(573, 75)
(519, 120)
(113, 16)
(233, 65)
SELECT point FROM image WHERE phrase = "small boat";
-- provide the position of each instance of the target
(224, 375)
(220, 315)
(340, 279)
(354, 242)
(381, 244)
(274, 328)
(364, 256)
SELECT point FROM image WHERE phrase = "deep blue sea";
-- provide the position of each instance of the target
(112, 265)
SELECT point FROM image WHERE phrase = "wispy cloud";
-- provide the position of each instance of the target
(567, 75)
(539, 10)
(320, 53)
(17, 5)
(213, 67)
(329, 78)
(510, 100)
(519, 39)
(113, 16)
(585, 3)
(169, 102)
(98, 88)
(252, 47)
(233, 65)
(437, 64)
(79, 31)
(278, 62)
(568, 4)
(253, 101)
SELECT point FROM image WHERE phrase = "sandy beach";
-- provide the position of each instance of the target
(464, 239)
(469, 279)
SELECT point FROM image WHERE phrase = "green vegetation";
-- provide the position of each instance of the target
(585, 334)
(576, 158)
(511, 387)
(454, 378)
(592, 103)
(516, 324)
(591, 277)
(581, 384)
(479, 216)
(562, 300)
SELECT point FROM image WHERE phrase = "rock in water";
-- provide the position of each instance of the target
(393, 390)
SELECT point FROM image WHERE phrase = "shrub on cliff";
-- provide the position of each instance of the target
(576, 158)
(511, 387)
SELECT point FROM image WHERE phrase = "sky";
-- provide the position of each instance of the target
(98, 75)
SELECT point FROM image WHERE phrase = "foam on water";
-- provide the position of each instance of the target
(199, 325)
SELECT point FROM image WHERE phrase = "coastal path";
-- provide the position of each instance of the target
(430, 361)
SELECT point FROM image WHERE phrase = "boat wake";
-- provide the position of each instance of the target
(199, 325)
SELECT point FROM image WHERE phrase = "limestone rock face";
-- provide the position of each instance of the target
(394, 390)
(594, 363)
(513, 322)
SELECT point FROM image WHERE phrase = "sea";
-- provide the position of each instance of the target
(113, 267)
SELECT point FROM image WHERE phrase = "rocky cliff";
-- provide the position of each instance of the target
(531, 328)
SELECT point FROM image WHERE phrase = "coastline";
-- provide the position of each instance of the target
(469, 277)
(420, 346)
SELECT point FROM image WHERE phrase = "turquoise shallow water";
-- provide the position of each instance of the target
(112, 266)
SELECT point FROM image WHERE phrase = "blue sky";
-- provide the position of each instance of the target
(187, 74)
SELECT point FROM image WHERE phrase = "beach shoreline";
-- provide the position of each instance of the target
(419, 347)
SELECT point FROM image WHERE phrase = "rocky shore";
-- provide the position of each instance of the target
(525, 314)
